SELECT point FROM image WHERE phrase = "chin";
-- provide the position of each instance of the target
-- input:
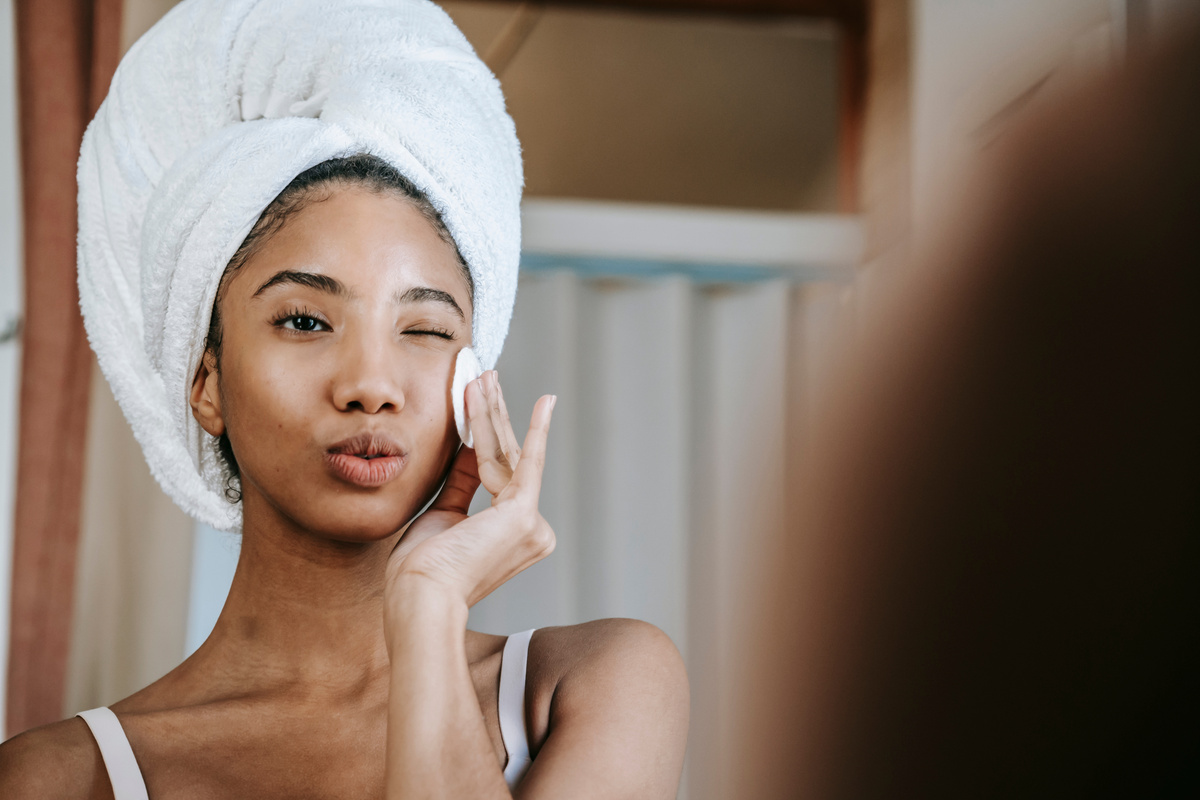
(359, 521)
(358, 516)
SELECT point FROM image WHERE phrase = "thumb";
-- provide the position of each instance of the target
(461, 484)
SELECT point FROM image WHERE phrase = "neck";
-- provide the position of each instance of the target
(304, 613)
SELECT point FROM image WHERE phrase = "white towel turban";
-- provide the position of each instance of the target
(209, 116)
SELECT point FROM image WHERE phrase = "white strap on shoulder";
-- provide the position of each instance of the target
(512, 705)
(123, 771)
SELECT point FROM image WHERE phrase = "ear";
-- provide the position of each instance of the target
(205, 397)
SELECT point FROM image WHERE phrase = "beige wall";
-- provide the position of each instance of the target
(138, 16)
(671, 108)
(974, 61)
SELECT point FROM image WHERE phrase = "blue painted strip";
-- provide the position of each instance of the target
(214, 560)
(608, 267)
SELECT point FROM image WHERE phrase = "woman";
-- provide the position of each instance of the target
(300, 386)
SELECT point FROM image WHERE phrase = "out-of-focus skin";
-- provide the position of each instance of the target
(992, 588)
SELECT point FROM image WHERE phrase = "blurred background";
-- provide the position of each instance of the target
(712, 189)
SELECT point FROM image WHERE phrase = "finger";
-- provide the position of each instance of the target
(494, 469)
(508, 437)
(528, 475)
(461, 483)
(500, 421)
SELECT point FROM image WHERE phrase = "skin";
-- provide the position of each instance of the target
(341, 666)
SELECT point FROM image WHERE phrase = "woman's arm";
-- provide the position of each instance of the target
(619, 715)
(446, 562)
(59, 761)
(437, 744)
(618, 721)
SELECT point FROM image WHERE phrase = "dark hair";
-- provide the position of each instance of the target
(312, 186)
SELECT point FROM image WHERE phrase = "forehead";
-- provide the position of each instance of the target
(370, 241)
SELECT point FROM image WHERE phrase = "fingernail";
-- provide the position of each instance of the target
(553, 401)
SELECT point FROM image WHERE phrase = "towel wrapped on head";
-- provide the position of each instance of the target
(209, 116)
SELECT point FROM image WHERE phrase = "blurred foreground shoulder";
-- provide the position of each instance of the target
(59, 760)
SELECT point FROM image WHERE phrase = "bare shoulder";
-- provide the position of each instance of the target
(613, 691)
(59, 760)
(635, 653)
(610, 665)
(621, 663)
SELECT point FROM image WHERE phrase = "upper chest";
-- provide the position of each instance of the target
(282, 747)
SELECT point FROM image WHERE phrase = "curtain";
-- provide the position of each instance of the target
(66, 53)
(131, 584)
(682, 407)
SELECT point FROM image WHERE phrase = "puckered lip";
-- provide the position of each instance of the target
(369, 444)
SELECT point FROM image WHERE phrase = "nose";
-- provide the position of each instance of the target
(367, 378)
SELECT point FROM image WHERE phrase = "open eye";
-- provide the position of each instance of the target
(300, 320)
(302, 323)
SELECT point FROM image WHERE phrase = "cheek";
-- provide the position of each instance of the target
(280, 415)
(428, 407)
(269, 405)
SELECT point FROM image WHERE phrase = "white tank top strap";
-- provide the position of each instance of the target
(123, 771)
(512, 706)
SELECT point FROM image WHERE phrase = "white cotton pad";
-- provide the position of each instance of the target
(466, 369)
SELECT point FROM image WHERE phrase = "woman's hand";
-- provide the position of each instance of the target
(469, 557)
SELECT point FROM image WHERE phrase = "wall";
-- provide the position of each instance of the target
(973, 57)
(137, 17)
(670, 108)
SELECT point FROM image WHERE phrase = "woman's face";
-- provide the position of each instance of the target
(339, 340)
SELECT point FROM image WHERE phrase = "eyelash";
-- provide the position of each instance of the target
(441, 333)
(305, 313)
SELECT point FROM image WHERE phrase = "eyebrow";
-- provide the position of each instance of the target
(313, 280)
(424, 294)
(324, 283)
